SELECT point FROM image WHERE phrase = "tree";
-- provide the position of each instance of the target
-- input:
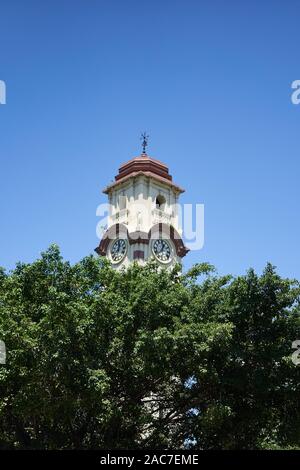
(146, 358)
(258, 385)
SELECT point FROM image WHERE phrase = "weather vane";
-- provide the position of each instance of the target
(144, 139)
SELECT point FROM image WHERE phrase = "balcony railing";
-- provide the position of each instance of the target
(161, 216)
(120, 217)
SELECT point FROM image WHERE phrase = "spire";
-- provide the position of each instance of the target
(144, 138)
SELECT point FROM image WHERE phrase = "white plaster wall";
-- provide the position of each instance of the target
(140, 193)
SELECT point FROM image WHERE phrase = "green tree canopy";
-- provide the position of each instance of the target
(146, 358)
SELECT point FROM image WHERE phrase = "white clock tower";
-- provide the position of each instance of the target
(143, 222)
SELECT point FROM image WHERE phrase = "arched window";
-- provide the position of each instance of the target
(160, 202)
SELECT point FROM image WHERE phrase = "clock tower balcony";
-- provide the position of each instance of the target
(159, 215)
(120, 217)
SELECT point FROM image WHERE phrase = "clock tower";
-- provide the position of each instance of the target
(143, 219)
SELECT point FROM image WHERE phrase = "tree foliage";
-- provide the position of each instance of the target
(146, 358)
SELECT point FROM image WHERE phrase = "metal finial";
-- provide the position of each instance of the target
(144, 139)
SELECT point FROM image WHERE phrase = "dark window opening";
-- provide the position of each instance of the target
(160, 202)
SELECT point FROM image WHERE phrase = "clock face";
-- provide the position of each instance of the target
(162, 250)
(118, 250)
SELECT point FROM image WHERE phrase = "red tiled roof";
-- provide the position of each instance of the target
(143, 165)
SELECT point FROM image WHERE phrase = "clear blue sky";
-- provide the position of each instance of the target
(210, 81)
